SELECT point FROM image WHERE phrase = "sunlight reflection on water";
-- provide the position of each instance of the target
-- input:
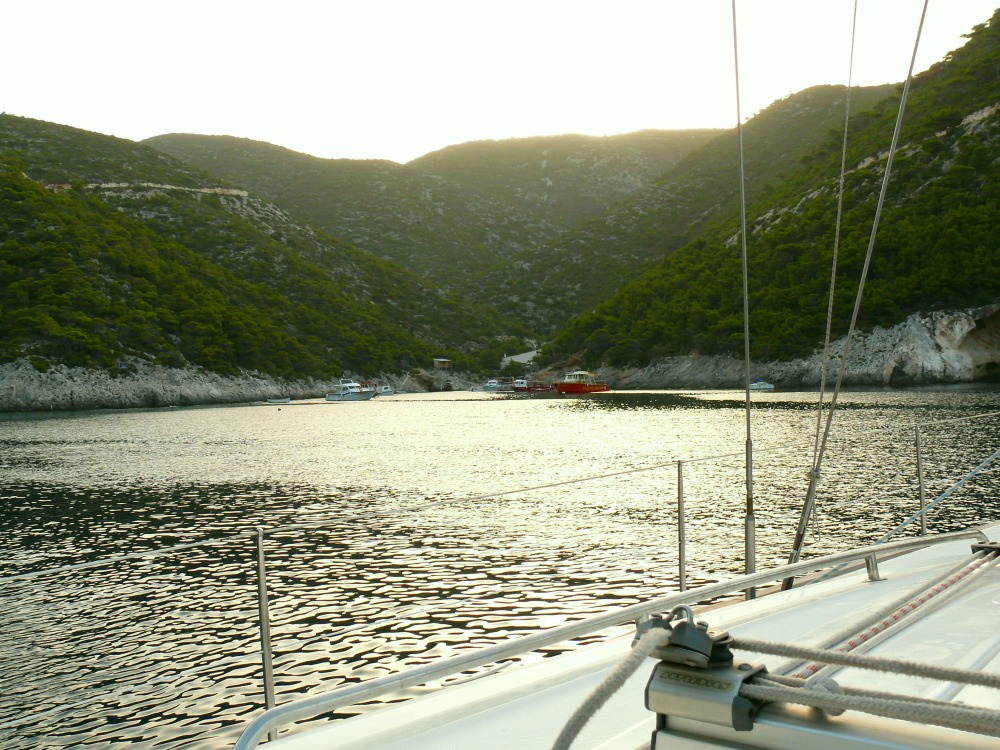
(421, 551)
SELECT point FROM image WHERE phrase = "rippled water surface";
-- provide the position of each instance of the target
(420, 525)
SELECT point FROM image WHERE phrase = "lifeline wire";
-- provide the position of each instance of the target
(927, 507)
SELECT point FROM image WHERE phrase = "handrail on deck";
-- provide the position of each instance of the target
(968, 418)
(923, 506)
(308, 708)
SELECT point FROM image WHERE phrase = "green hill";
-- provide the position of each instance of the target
(521, 224)
(552, 283)
(938, 246)
(452, 214)
(234, 255)
(112, 250)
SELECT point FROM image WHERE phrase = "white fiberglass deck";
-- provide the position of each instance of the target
(525, 707)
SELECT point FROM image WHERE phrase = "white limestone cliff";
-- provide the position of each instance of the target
(940, 347)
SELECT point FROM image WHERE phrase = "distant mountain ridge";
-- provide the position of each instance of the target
(617, 251)
(129, 254)
(554, 282)
(521, 224)
(451, 214)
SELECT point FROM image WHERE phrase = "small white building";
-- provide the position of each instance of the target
(525, 358)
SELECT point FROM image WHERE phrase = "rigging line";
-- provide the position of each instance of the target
(908, 667)
(814, 474)
(899, 618)
(836, 241)
(749, 536)
(891, 706)
(943, 496)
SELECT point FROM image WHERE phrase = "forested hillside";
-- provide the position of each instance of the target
(110, 250)
(519, 224)
(552, 283)
(938, 246)
(454, 213)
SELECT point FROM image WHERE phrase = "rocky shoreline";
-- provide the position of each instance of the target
(23, 388)
(955, 347)
(925, 349)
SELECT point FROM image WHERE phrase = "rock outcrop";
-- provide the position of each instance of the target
(940, 347)
(144, 385)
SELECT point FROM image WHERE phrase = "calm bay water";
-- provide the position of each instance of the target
(421, 544)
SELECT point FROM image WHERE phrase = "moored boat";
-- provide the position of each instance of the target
(759, 384)
(281, 400)
(581, 381)
(499, 385)
(523, 385)
(350, 390)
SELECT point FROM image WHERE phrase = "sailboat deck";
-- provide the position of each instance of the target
(526, 706)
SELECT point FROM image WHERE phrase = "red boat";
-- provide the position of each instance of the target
(581, 381)
(531, 386)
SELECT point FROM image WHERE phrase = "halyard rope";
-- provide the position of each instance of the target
(876, 663)
(939, 713)
(649, 641)
(826, 694)
(792, 690)
(949, 585)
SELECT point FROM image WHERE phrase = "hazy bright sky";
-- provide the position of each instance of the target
(395, 79)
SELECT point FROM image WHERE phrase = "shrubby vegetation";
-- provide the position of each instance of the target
(938, 244)
(693, 198)
(451, 214)
(111, 250)
(86, 285)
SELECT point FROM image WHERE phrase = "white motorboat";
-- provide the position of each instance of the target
(759, 384)
(499, 385)
(349, 390)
